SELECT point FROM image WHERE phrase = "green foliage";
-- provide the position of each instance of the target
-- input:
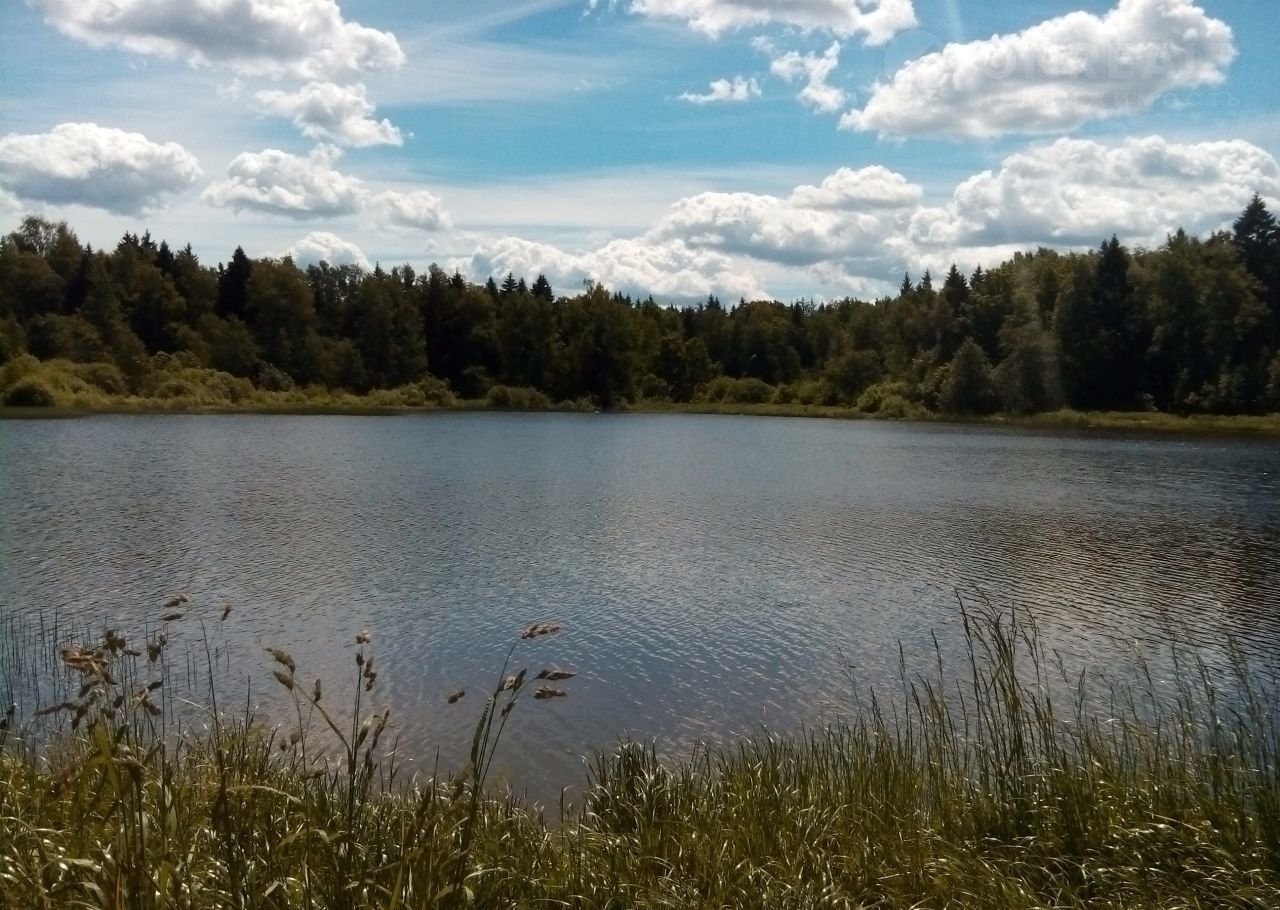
(852, 371)
(1026, 381)
(273, 379)
(1193, 326)
(889, 399)
(515, 398)
(104, 376)
(31, 392)
(1016, 794)
(803, 391)
(13, 339)
(737, 391)
(51, 335)
(968, 388)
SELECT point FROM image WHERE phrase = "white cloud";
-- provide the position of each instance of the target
(86, 164)
(278, 183)
(876, 20)
(322, 246)
(421, 209)
(848, 217)
(857, 230)
(305, 37)
(337, 113)
(726, 243)
(814, 70)
(1054, 76)
(1075, 192)
(873, 187)
(9, 205)
(739, 89)
(668, 270)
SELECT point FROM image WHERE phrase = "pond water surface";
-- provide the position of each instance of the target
(711, 574)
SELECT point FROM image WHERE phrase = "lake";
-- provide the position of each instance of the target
(712, 575)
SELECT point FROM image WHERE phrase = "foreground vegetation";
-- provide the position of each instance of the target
(1192, 327)
(999, 784)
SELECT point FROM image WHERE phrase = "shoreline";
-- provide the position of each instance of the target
(1120, 421)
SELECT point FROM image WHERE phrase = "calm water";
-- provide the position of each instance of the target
(712, 574)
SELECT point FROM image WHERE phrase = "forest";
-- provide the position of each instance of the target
(1192, 326)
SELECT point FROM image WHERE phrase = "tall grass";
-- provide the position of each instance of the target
(1000, 783)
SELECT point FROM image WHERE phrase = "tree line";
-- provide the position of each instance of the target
(1191, 326)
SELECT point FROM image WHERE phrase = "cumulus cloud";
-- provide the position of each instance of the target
(1054, 76)
(9, 204)
(417, 209)
(855, 231)
(305, 37)
(278, 183)
(814, 71)
(1075, 192)
(322, 246)
(86, 164)
(337, 113)
(739, 89)
(873, 187)
(293, 186)
(666, 269)
(876, 20)
(848, 217)
(724, 243)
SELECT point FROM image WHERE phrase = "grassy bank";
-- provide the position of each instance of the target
(31, 389)
(974, 788)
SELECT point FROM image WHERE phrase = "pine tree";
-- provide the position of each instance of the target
(542, 289)
(233, 282)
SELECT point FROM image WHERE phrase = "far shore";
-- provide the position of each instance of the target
(1141, 421)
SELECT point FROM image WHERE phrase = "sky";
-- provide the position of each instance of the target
(793, 149)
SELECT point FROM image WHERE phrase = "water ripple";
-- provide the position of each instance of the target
(712, 574)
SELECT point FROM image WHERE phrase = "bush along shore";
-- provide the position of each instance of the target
(975, 786)
(31, 388)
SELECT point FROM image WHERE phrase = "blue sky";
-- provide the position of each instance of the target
(679, 147)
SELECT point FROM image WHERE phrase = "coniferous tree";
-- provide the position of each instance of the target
(542, 289)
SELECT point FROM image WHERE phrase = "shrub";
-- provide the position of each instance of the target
(474, 382)
(18, 368)
(654, 388)
(737, 391)
(436, 391)
(173, 387)
(224, 387)
(427, 393)
(273, 379)
(31, 392)
(104, 376)
(517, 398)
(888, 397)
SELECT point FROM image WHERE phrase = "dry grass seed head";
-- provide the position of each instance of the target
(282, 658)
